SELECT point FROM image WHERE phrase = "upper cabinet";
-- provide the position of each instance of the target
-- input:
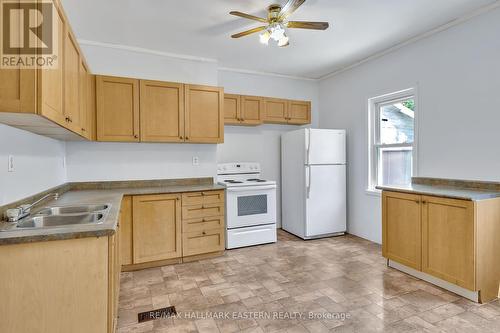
(131, 110)
(117, 109)
(57, 99)
(204, 114)
(243, 110)
(253, 111)
(276, 111)
(232, 109)
(299, 112)
(162, 111)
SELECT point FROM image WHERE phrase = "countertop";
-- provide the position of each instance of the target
(96, 196)
(443, 191)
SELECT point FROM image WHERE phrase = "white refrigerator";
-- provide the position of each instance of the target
(313, 184)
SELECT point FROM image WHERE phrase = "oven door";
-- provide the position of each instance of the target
(250, 206)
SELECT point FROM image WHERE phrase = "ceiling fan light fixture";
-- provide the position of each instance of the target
(277, 31)
(284, 41)
(264, 37)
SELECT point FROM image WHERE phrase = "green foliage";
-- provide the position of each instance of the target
(410, 104)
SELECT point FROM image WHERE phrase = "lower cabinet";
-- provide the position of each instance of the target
(156, 227)
(60, 286)
(170, 228)
(401, 224)
(448, 240)
(453, 240)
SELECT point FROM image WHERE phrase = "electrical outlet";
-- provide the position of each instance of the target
(196, 160)
(10, 166)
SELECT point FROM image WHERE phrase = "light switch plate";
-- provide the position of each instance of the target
(196, 160)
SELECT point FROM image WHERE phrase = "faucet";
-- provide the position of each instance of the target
(15, 214)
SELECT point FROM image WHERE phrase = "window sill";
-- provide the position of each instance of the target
(373, 192)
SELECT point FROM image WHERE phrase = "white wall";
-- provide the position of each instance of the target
(38, 164)
(147, 65)
(458, 76)
(262, 144)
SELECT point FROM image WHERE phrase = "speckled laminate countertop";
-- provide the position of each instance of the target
(453, 192)
(92, 196)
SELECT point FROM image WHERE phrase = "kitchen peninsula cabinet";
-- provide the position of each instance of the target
(448, 241)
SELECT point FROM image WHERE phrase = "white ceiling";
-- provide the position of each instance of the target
(202, 28)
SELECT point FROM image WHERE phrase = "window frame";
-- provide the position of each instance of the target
(374, 105)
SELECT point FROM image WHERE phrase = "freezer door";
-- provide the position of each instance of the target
(325, 146)
(326, 199)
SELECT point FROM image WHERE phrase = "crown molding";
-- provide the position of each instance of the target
(252, 72)
(441, 28)
(146, 51)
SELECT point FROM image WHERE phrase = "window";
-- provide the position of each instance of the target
(392, 138)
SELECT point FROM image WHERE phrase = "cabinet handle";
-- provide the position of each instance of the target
(67, 119)
(187, 138)
(180, 137)
(203, 233)
(136, 136)
(84, 130)
(417, 201)
(424, 202)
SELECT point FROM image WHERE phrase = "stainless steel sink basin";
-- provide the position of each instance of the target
(72, 209)
(46, 221)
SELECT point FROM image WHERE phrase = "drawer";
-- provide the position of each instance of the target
(203, 241)
(204, 223)
(200, 198)
(204, 210)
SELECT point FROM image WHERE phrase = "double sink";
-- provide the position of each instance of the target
(64, 216)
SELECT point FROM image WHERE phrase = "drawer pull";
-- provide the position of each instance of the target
(203, 233)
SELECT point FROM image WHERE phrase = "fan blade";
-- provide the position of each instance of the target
(290, 7)
(248, 16)
(308, 25)
(249, 32)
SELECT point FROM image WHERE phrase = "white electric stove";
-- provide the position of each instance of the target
(250, 205)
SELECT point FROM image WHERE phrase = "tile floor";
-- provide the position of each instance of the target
(343, 282)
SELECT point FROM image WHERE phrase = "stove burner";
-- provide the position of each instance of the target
(256, 180)
(230, 181)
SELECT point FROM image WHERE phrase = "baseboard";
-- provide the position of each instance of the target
(472, 295)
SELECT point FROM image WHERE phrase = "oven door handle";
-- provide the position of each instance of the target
(252, 188)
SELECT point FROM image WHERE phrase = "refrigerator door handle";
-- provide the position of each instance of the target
(308, 146)
(308, 181)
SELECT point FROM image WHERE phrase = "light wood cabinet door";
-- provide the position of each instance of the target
(251, 110)
(17, 90)
(51, 81)
(204, 114)
(126, 252)
(156, 227)
(276, 110)
(117, 109)
(162, 111)
(84, 101)
(202, 242)
(72, 83)
(232, 109)
(91, 107)
(448, 240)
(299, 112)
(401, 228)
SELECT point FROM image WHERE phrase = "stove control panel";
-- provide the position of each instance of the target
(237, 168)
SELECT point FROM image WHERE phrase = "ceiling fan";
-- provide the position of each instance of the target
(277, 22)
